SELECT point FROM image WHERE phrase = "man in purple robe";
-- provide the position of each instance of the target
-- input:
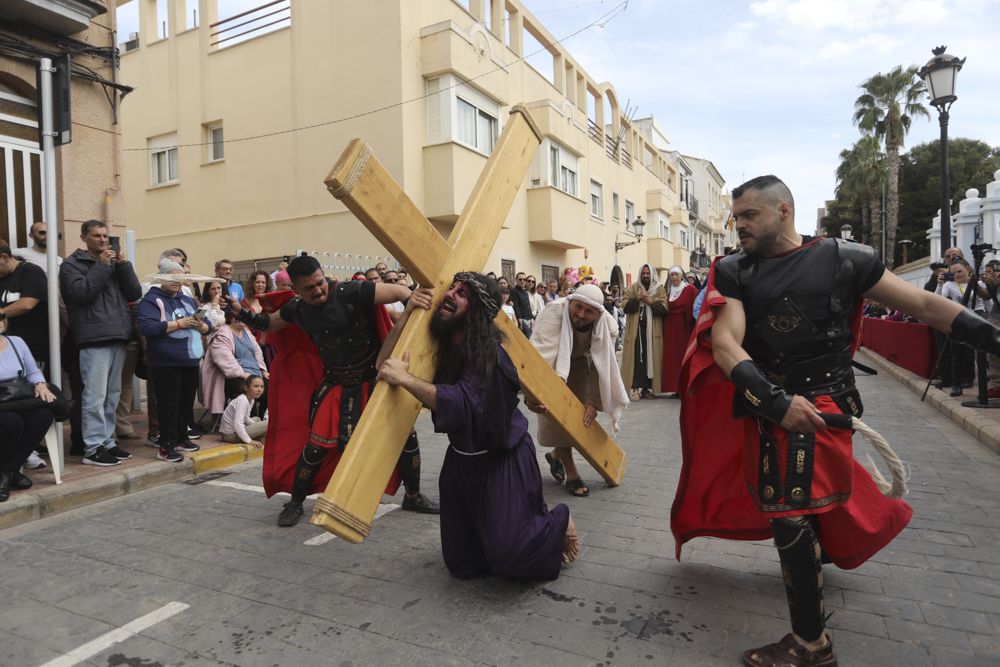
(493, 518)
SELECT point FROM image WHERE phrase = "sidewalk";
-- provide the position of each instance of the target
(85, 484)
(981, 423)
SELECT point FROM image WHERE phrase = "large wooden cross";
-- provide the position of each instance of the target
(348, 505)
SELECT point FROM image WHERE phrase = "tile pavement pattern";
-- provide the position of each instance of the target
(259, 596)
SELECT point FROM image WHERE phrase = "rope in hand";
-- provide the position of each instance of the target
(900, 475)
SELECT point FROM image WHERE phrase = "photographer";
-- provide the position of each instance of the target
(991, 276)
(952, 286)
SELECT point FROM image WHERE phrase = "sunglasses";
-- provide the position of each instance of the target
(390, 280)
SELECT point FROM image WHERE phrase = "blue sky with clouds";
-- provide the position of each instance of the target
(768, 86)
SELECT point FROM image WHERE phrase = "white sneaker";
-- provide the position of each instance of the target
(35, 461)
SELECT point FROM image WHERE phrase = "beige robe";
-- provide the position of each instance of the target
(583, 381)
(655, 354)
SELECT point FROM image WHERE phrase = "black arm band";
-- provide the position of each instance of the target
(258, 321)
(758, 394)
(976, 332)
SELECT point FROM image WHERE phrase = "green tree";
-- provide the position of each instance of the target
(971, 164)
(860, 175)
(886, 109)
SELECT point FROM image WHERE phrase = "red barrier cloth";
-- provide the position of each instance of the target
(906, 344)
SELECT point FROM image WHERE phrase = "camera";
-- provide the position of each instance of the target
(115, 243)
(938, 265)
(949, 276)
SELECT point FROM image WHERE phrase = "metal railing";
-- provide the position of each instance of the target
(594, 131)
(248, 24)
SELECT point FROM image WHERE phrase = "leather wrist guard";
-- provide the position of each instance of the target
(976, 332)
(758, 394)
(258, 321)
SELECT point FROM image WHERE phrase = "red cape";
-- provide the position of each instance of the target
(712, 499)
(295, 373)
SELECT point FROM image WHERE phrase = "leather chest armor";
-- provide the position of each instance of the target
(798, 311)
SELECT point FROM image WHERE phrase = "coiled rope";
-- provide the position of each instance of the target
(900, 475)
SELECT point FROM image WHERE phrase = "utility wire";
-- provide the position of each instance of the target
(602, 20)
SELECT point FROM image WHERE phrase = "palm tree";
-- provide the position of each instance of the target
(860, 175)
(885, 110)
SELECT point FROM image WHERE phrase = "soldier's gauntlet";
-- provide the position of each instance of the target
(976, 332)
(758, 394)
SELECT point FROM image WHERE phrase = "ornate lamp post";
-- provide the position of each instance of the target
(637, 226)
(939, 76)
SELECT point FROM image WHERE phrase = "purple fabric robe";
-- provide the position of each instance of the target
(493, 517)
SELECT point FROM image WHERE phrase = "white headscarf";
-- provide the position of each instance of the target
(552, 336)
(674, 292)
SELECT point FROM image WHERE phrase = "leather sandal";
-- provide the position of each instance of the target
(577, 488)
(790, 653)
(420, 503)
(556, 468)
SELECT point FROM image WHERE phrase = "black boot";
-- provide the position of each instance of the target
(4, 486)
(309, 463)
(409, 468)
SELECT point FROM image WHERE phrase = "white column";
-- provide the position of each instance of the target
(990, 208)
(966, 221)
(934, 238)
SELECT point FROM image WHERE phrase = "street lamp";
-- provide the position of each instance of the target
(845, 232)
(907, 244)
(939, 77)
(637, 226)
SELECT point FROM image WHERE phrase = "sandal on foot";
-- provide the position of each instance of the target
(577, 488)
(789, 653)
(556, 468)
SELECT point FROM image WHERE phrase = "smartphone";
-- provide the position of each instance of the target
(115, 243)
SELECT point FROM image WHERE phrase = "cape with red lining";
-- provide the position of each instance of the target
(712, 499)
(295, 373)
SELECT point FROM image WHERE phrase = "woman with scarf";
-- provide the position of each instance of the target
(677, 326)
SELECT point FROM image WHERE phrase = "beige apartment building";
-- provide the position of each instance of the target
(87, 168)
(235, 122)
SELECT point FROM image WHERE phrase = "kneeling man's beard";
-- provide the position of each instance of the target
(441, 327)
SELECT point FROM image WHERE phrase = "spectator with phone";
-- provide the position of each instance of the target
(97, 285)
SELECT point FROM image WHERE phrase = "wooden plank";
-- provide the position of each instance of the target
(539, 380)
(348, 505)
(364, 185)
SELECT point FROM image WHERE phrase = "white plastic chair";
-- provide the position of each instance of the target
(56, 457)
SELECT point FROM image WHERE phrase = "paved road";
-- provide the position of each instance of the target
(253, 594)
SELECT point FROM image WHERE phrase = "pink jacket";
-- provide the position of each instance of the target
(220, 363)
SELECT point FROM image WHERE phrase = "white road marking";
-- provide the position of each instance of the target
(246, 487)
(92, 648)
(323, 538)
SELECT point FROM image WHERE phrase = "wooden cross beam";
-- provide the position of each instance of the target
(348, 505)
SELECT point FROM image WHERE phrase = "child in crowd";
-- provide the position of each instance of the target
(506, 306)
(237, 425)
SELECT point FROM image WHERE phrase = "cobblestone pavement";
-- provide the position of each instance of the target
(260, 595)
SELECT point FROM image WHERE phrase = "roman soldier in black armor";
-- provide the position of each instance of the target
(783, 328)
(346, 323)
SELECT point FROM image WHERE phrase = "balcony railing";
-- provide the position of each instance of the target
(251, 23)
(594, 131)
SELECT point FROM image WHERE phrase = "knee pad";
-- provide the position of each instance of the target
(313, 455)
(412, 444)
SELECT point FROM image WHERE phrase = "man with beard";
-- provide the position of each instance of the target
(576, 336)
(493, 518)
(645, 306)
(781, 321)
(345, 322)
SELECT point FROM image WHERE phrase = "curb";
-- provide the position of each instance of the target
(984, 429)
(24, 507)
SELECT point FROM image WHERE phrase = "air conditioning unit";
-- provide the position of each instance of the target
(133, 42)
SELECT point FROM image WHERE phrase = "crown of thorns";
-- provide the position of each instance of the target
(482, 291)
